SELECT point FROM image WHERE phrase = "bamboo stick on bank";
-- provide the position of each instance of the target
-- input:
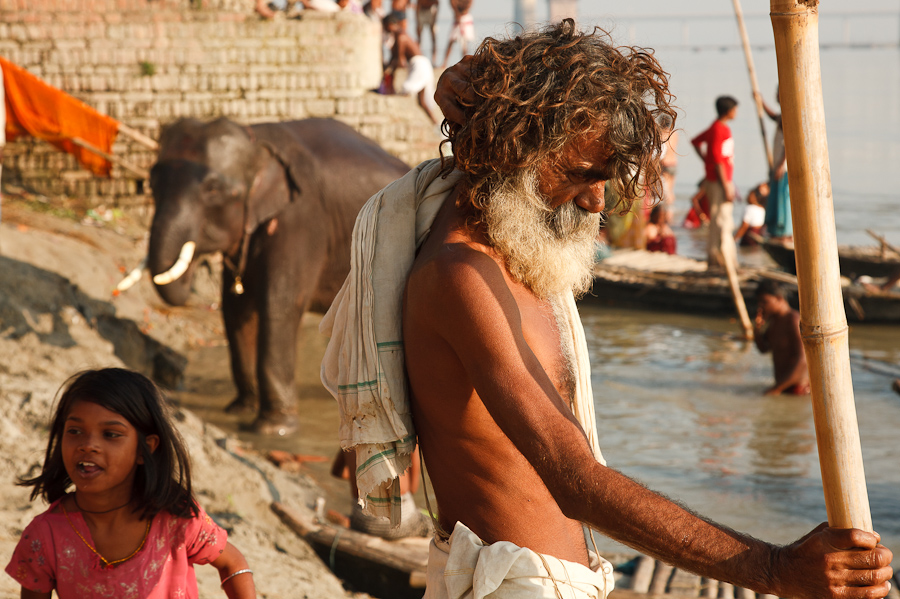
(823, 322)
(138, 137)
(140, 172)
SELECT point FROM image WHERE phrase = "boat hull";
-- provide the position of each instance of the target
(854, 261)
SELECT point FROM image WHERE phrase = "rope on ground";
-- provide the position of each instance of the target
(276, 495)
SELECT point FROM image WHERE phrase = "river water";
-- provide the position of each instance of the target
(678, 398)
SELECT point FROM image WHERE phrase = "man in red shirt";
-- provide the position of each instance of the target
(716, 147)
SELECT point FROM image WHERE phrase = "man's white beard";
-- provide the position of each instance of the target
(550, 251)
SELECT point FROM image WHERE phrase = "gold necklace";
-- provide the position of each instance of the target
(106, 562)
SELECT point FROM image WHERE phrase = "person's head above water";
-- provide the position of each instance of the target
(543, 94)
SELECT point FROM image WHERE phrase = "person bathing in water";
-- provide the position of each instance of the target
(777, 330)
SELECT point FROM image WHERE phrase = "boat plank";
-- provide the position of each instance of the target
(407, 555)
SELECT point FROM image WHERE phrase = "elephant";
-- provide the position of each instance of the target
(279, 201)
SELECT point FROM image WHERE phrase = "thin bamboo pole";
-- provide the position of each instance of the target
(138, 137)
(140, 172)
(823, 321)
(754, 85)
(735, 285)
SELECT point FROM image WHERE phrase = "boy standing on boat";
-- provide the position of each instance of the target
(777, 330)
(715, 146)
(458, 316)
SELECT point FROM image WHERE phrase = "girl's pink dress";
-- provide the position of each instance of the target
(51, 556)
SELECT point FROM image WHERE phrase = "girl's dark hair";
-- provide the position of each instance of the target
(163, 481)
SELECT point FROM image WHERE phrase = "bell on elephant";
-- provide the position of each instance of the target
(279, 201)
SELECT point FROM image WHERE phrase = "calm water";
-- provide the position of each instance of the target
(678, 398)
(680, 407)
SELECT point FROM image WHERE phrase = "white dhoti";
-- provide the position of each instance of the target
(419, 76)
(466, 568)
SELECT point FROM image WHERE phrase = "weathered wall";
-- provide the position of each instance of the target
(148, 62)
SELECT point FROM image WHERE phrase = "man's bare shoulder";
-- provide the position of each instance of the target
(455, 269)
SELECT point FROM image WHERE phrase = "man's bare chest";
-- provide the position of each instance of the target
(541, 331)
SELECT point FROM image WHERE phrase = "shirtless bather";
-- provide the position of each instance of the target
(781, 336)
(491, 377)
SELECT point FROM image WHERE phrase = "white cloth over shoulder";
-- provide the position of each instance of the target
(364, 368)
(466, 568)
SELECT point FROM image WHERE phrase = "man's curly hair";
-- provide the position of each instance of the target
(539, 90)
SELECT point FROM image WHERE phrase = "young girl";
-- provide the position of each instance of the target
(131, 528)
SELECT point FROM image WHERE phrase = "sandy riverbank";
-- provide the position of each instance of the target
(58, 316)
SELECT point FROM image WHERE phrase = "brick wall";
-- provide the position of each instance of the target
(148, 62)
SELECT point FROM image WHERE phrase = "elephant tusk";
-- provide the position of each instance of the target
(180, 266)
(133, 277)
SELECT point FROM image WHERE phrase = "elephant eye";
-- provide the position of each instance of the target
(220, 190)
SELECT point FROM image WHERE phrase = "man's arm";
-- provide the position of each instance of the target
(523, 401)
(394, 61)
(698, 142)
(695, 202)
(759, 333)
(728, 185)
(775, 116)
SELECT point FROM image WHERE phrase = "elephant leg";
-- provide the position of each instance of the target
(275, 368)
(241, 320)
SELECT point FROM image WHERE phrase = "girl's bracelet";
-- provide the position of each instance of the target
(233, 574)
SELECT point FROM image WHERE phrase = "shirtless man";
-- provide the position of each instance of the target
(426, 17)
(463, 30)
(490, 375)
(777, 330)
(405, 53)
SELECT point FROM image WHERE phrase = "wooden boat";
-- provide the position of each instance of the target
(855, 261)
(370, 564)
(657, 281)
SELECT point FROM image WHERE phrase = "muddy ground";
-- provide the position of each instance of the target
(58, 316)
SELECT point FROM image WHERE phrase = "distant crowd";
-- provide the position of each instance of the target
(400, 50)
(766, 211)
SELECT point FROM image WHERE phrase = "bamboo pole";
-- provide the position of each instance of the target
(138, 137)
(140, 172)
(823, 323)
(754, 85)
(884, 242)
(735, 285)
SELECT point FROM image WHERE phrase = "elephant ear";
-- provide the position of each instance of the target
(284, 173)
(276, 183)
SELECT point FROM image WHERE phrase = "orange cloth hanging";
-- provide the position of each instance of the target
(37, 109)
